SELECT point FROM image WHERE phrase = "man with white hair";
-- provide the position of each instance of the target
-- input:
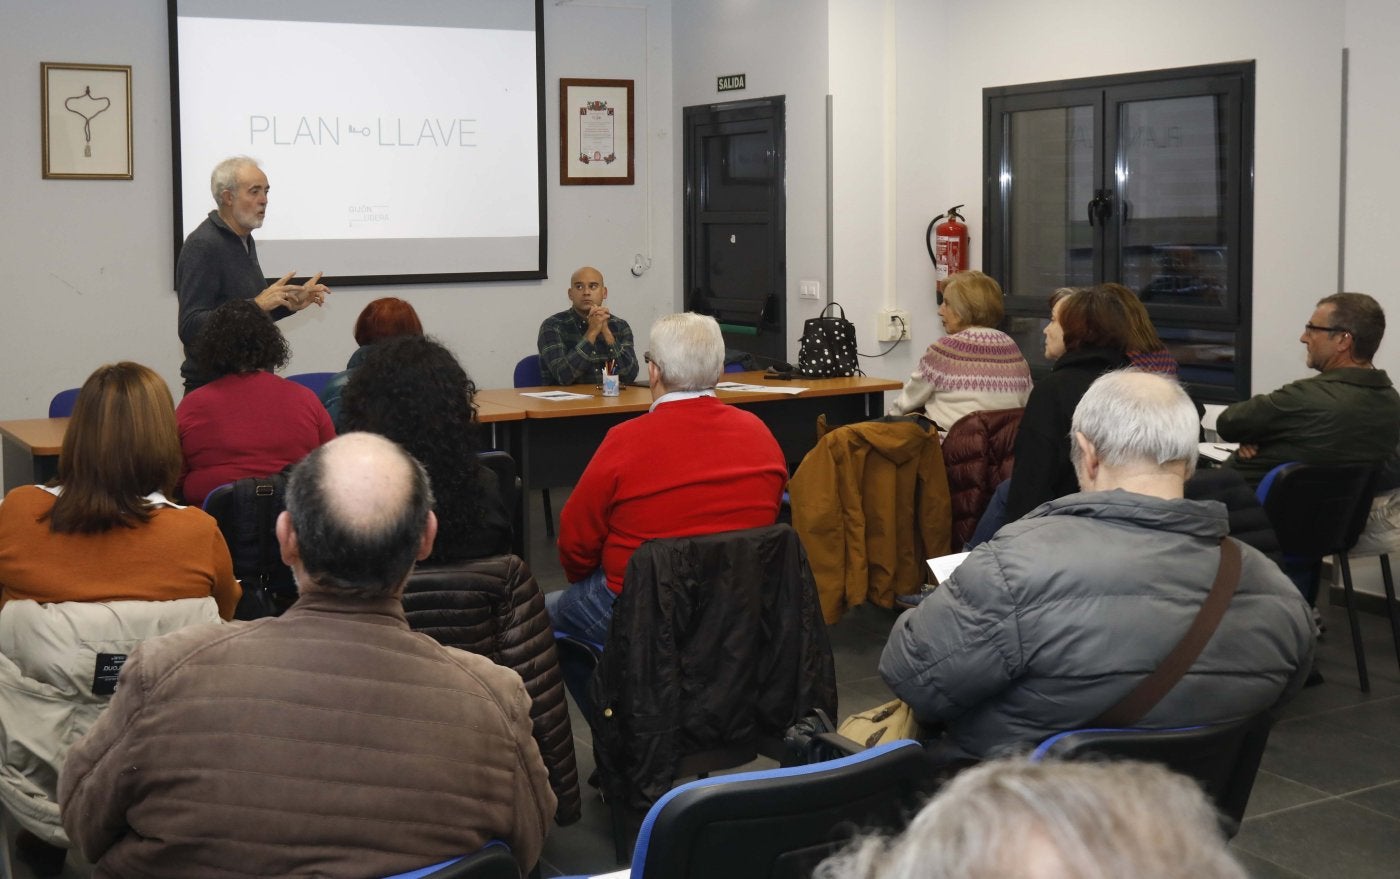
(691, 465)
(329, 741)
(1065, 611)
(219, 260)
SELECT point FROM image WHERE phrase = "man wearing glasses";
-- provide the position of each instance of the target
(1350, 413)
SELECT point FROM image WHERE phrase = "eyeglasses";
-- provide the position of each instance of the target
(646, 355)
(1314, 328)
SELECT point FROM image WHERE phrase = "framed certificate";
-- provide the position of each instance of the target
(596, 142)
(85, 115)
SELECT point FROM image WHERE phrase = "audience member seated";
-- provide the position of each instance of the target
(247, 421)
(973, 368)
(1088, 335)
(385, 318)
(103, 531)
(692, 465)
(578, 342)
(329, 741)
(1059, 616)
(1012, 819)
(413, 391)
(1349, 413)
(1145, 348)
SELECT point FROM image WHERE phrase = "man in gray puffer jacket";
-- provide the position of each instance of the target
(1062, 614)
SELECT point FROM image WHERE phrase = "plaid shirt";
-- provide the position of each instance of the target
(567, 359)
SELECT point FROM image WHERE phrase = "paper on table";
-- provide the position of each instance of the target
(620, 874)
(556, 395)
(758, 389)
(945, 565)
(1218, 451)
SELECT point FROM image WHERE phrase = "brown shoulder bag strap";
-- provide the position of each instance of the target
(1151, 689)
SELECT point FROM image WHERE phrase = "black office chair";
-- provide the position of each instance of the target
(528, 375)
(780, 823)
(493, 861)
(1319, 510)
(1223, 757)
(246, 512)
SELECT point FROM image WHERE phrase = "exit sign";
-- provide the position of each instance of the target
(731, 83)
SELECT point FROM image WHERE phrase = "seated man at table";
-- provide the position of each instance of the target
(1064, 612)
(691, 465)
(577, 343)
(1348, 413)
(329, 741)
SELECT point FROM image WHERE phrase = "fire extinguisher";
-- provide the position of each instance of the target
(949, 249)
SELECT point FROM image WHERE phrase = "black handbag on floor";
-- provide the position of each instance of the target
(828, 346)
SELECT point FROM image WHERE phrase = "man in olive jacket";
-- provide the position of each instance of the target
(330, 741)
(1348, 414)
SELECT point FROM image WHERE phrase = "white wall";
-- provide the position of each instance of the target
(782, 47)
(87, 265)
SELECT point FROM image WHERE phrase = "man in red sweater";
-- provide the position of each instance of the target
(691, 465)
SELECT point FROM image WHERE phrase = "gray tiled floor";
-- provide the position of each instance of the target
(1326, 803)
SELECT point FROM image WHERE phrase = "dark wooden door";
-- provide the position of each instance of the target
(735, 251)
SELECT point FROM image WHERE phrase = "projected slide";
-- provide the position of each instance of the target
(392, 150)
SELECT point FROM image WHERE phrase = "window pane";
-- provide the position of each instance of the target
(1171, 180)
(1050, 179)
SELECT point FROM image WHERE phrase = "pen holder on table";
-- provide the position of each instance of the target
(611, 386)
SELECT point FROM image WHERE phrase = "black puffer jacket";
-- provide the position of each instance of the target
(716, 640)
(494, 608)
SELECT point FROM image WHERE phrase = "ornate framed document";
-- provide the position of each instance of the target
(85, 116)
(596, 142)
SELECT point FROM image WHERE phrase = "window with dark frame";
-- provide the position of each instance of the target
(1145, 179)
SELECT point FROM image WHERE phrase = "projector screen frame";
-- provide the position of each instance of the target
(540, 272)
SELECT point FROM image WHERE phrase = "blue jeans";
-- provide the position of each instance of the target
(583, 610)
(992, 519)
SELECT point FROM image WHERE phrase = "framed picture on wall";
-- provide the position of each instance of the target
(595, 132)
(85, 114)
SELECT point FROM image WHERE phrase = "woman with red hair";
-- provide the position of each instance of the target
(386, 318)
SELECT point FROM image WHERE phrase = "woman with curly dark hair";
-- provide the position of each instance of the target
(247, 421)
(413, 391)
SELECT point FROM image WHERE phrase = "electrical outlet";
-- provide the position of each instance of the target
(892, 325)
(809, 289)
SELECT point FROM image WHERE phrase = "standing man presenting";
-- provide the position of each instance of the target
(578, 342)
(219, 260)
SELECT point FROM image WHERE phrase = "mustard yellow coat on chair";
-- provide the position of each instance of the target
(870, 503)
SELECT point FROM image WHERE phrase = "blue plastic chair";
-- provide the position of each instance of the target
(316, 381)
(493, 861)
(528, 375)
(61, 406)
(1223, 757)
(780, 821)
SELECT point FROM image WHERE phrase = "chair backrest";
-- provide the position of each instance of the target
(493, 861)
(246, 511)
(61, 406)
(717, 644)
(316, 381)
(1223, 757)
(507, 478)
(978, 454)
(1317, 509)
(528, 373)
(779, 823)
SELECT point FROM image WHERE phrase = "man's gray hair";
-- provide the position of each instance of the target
(1363, 317)
(225, 175)
(1135, 417)
(1014, 819)
(360, 547)
(689, 350)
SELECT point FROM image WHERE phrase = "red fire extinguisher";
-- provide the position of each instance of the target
(949, 249)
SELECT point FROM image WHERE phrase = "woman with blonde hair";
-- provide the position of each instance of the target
(975, 366)
(90, 565)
